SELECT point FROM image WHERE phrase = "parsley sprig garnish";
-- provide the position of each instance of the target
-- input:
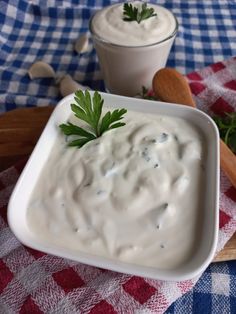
(147, 94)
(90, 110)
(227, 129)
(132, 13)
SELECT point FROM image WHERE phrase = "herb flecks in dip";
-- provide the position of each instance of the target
(134, 194)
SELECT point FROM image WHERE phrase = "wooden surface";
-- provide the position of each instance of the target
(19, 132)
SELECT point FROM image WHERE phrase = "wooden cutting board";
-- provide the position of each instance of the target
(19, 132)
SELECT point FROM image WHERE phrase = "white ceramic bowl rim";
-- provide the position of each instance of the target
(18, 202)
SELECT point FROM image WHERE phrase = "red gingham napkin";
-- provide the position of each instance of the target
(34, 282)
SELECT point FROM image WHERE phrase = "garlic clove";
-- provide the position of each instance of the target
(82, 44)
(41, 69)
(68, 86)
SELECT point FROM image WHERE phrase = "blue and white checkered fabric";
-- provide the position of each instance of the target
(46, 30)
(215, 292)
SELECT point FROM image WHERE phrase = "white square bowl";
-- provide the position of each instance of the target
(208, 233)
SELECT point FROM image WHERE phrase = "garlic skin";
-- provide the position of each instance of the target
(68, 86)
(82, 44)
(41, 69)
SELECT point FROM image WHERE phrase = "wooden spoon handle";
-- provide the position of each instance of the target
(228, 162)
(170, 86)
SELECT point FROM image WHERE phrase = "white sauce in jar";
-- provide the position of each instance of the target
(134, 194)
(109, 25)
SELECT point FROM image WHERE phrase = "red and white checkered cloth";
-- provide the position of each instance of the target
(34, 282)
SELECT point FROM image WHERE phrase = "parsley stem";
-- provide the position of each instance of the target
(97, 131)
(226, 139)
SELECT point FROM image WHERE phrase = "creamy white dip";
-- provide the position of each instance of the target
(133, 195)
(109, 25)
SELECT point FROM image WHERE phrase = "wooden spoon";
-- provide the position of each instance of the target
(170, 86)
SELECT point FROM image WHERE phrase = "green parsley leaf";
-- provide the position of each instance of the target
(90, 111)
(71, 129)
(110, 118)
(227, 129)
(131, 13)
